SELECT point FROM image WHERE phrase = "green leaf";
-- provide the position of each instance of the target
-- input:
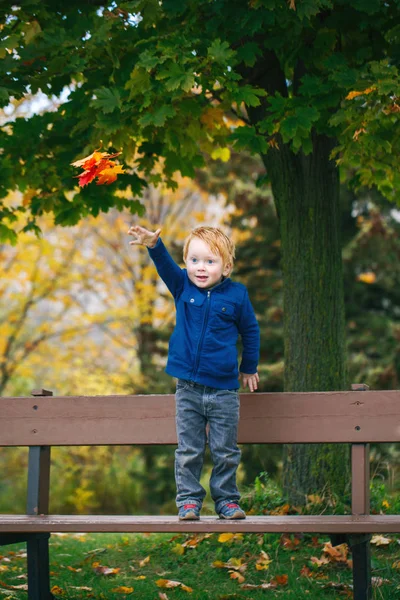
(249, 95)
(148, 60)
(176, 77)
(158, 117)
(139, 83)
(4, 95)
(248, 53)
(7, 235)
(10, 43)
(246, 138)
(220, 52)
(107, 99)
(288, 128)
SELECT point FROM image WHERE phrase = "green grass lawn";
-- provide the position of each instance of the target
(206, 567)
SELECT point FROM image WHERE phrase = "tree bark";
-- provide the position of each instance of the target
(306, 192)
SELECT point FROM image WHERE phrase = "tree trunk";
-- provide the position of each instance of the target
(306, 192)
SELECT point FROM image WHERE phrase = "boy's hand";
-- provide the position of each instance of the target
(250, 380)
(144, 236)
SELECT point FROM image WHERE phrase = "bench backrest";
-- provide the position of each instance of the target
(309, 417)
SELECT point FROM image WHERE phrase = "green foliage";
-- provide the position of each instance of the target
(144, 74)
(263, 497)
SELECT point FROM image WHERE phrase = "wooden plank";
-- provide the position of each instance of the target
(253, 524)
(360, 478)
(315, 417)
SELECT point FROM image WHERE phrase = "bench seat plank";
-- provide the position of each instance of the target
(253, 524)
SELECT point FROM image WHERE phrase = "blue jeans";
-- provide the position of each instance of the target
(196, 406)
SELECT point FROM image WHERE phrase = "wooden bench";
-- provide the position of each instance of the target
(318, 417)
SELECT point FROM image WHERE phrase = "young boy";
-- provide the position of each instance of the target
(211, 310)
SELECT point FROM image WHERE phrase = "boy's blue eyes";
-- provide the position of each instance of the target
(209, 261)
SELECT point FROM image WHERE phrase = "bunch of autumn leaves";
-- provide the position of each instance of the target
(100, 165)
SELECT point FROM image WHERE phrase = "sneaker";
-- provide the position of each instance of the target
(232, 511)
(189, 512)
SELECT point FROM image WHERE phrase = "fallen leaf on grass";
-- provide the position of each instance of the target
(263, 561)
(336, 586)
(144, 562)
(83, 588)
(162, 596)
(236, 575)
(280, 579)
(57, 591)
(23, 586)
(122, 589)
(102, 570)
(261, 586)
(289, 542)
(235, 564)
(380, 540)
(195, 540)
(336, 554)
(178, 549)
(324, 560)
(73, 569)
(396, 564)
(230, 537)
(378, 581)
(140, 577)
(281, 510)
(169, 583)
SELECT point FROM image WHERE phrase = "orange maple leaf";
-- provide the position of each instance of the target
(98, 164)
(109, 174)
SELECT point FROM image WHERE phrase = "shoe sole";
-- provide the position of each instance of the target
(190, 517)
(236, 516)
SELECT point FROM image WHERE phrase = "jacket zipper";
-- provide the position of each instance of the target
(196, 364)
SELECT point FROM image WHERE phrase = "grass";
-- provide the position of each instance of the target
(100, 566)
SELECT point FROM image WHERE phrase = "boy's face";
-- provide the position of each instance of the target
(205, 269)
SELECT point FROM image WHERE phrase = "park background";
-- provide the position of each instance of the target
(278, 122)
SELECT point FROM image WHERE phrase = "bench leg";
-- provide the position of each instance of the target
(361, 552)
(38, 568)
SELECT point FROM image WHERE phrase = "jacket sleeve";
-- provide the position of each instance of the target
(171, 274)
(250, 334)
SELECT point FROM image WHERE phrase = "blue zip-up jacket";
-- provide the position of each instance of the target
(202, 347)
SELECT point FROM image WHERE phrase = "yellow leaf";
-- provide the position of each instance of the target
(140, 577)
(223, 154)
(122, 589)
(178, 549)
(396, 564)
(144, 562)
(380, 540)
(355, 94)
(226, 537)
(57, 591)
(368, 277)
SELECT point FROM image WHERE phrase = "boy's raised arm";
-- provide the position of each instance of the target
(168, 270)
